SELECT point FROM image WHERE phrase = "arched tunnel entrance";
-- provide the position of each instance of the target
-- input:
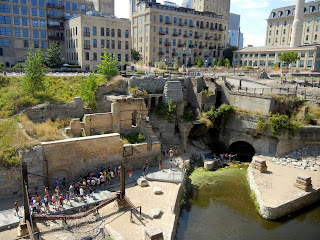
(244, 150)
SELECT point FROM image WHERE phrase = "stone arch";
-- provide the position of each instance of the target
(60, 174)
(244, 150)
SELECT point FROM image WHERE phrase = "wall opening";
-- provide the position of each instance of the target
(218, 99)
(244, 150)
(153, 102)
(134, 118)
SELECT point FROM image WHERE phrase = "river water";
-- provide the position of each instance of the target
(223, 209)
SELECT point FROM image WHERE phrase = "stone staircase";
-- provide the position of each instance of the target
(149, 133)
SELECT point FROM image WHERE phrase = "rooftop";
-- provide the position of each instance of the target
(278, 48)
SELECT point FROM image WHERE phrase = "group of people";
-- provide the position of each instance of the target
(86, 186)
(168, 153)
(229, 156)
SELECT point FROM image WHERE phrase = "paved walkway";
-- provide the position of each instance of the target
(8, 217)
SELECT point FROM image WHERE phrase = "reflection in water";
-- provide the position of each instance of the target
(224, 209)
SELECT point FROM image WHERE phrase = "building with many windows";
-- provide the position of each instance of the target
(86, 37)
(280, 25)
(25, 23)
(234, 25)
(165, 34)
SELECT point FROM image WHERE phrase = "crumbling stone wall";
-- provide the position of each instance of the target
(173, 90)
(152, 84)
(42, 112)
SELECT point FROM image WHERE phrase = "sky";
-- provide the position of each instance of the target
(252, 21)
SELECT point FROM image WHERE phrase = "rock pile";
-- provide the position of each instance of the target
(303, 182)
(307, 157)
(260, 165)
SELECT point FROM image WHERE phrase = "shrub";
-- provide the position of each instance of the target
(133, 138)
(187, 115)
(135, 92)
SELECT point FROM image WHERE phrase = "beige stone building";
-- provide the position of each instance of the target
(86, 37)
(164, 33)
(219, 7)
(267, 57)
(25, 23)
(280, 25)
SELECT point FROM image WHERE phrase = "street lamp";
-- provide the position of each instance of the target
(165, 62)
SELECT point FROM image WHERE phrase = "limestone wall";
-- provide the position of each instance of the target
(152, 84)
(173, 90)
(98, 122)
(42, 112)
(253, 103)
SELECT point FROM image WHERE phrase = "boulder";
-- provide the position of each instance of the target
(210, 165)
(155, 212)
(142, 182)
(157, 190)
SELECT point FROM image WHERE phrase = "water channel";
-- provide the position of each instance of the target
(223, 209)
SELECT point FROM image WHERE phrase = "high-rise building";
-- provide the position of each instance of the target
(234, 24)
(280, 23)
(219, 7)
(165, 34)
(37, 23)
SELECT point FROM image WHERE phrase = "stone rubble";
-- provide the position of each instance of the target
(307, 157)
(303, 182)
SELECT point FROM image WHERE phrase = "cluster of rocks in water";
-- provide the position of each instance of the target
(307, 157)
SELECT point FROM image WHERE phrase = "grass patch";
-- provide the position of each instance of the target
(133, 138)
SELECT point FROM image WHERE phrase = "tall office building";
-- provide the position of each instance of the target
(186, 4)
(219, 7)
(234, 24)
(280, 23)
(166, 34)
(37, 23)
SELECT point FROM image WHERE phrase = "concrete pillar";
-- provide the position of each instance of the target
(297, 25)
(115, 109)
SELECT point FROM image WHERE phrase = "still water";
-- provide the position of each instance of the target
(223, 209)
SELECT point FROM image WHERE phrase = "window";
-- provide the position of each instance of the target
(284, 31)
(277, 32)
(5, 31)
(86, 32)
(154, 18)
(287, 12)
(95, 57)
(278, 24)
(23, 10)
(5, 20)
(283, 39)
(34, 2)
(119, 32)
(34, 12)
(315, 37)
(25, 43)
(25, 33)
(74, 6)
(35, 33)
(119, 57)
(87, 56)
(42, 23)
(94, 31)
(301, 63)
(307, 37)
(310, 54)
(68, 15)
(4, 8)
(68, 5)
(15, 9)
(86, 44)
(127, 45)
(95, 43)
(24, 22)
(17, 32)
(43, 44)
(161, 19)
(308, 29)
(15, 1)
(127, 34)
(102, 43)
(23, 1)
(113, 44)
(36, 44)
(41, 12)
(309, 20)
(43, 34)
(167, 31)
(41, 3)
(160, 41)
(270, 25)
(102, 32)
(309, 63)
(311, 8)
(269, 32)
(83, 8)
(285, 23)
(107, 32)
(302, 55)
(16, 21)
(127, 57)
(35, 23)
(108, 44)
(112, 32)
(317, 28)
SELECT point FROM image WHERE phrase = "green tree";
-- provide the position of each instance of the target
(88, 90)
(52, 57)
(289, 57)
(176, 64)
(214, 62)
(1, 66)
(35, 72)
(135, 56)
(199, 62)
(109, 65)
(219, 63)
(229, 52)
(226, 63)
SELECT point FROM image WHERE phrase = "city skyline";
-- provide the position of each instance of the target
(253, 13)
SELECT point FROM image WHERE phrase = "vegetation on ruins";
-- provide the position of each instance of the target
(166, 111)
(217, 117)
(279, 125)
(286, 104)
(52, 57)
(88, 90)
(133, 138)
(109, 65)
(289, 57)
(35, 72)
(135, 92)
(208, 92)
(187, 115)
(135, 56)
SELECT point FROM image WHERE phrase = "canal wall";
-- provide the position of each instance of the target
(293, 203)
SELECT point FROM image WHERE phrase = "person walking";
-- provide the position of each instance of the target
(16, 207)
(160, 165)
(81, 193)
(147, 119)
(71, 190)
(130, 173)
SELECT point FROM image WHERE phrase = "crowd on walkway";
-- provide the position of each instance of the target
(63, 194)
